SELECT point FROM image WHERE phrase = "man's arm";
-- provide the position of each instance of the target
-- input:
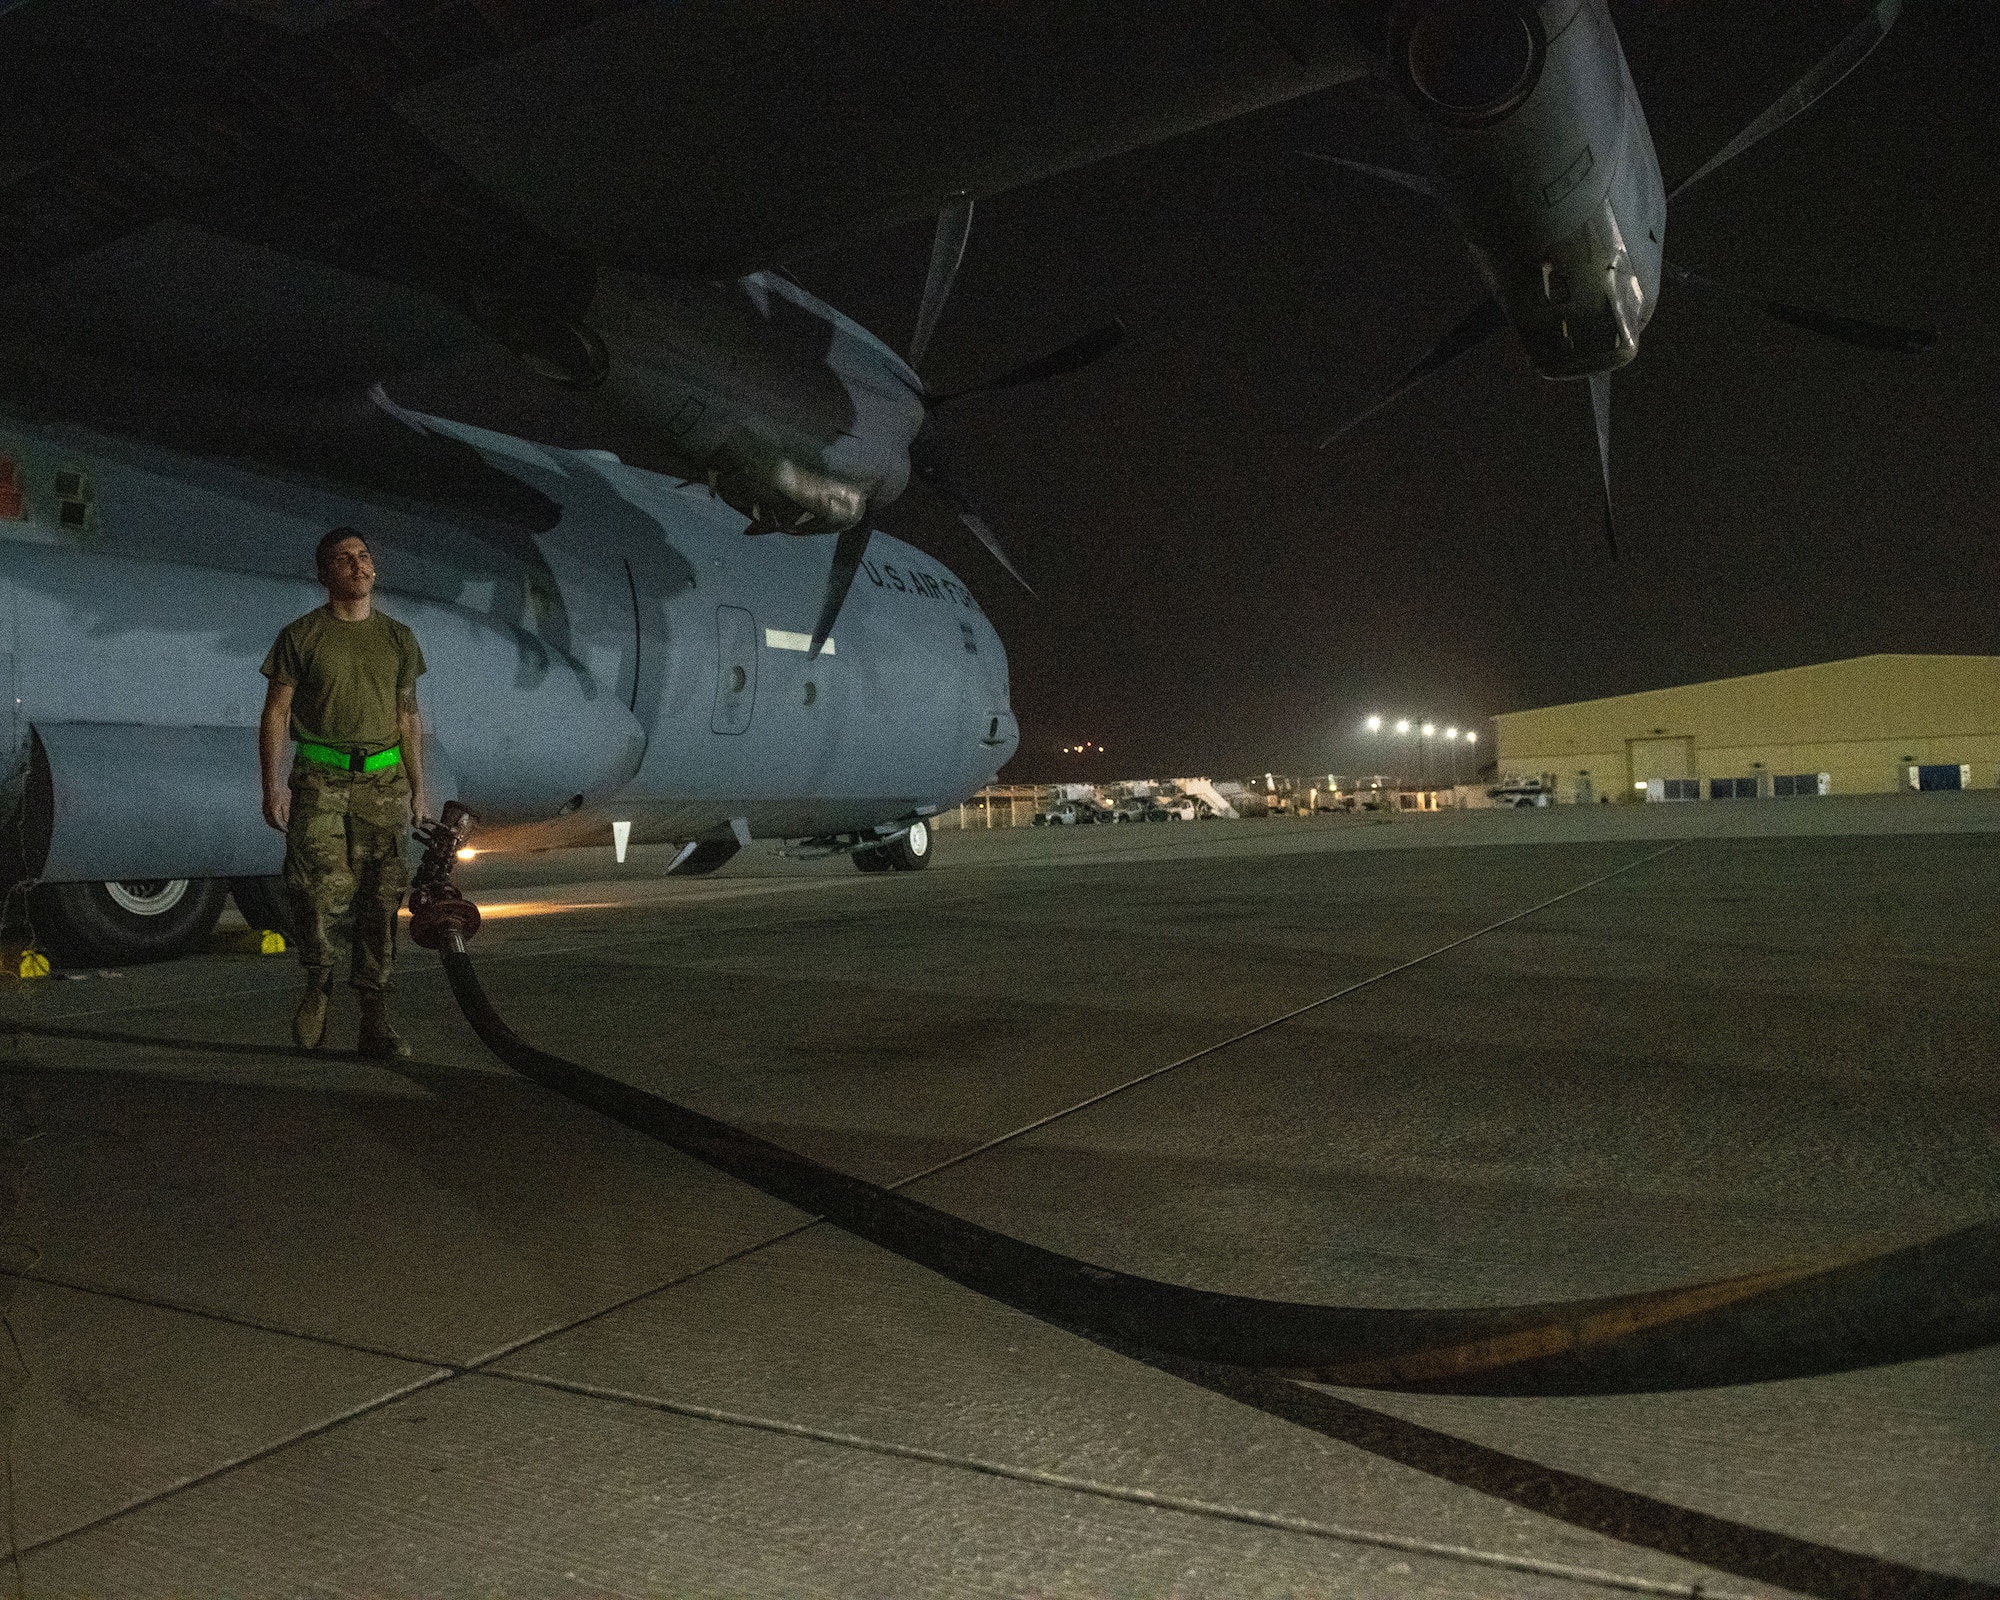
(410, 734)
(273, 733)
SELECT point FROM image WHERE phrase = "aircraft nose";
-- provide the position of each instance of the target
(1581, 307)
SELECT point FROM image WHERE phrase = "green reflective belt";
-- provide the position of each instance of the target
(352, 761)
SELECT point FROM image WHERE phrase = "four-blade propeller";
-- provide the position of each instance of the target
(930, 462)
(1487, 318)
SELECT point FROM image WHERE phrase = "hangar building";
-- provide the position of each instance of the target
(1870, 725)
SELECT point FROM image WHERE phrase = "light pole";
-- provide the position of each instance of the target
(1424, 733)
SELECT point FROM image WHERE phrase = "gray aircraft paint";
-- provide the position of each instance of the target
(573, 673)
(1559, 193)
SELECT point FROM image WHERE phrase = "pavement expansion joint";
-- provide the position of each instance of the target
(228, 1318)
(262, 1453)
(1278, 1021)
(1129, 1494)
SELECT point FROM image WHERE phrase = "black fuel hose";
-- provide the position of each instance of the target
(1932, 1298)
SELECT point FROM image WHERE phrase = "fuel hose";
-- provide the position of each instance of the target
(1859, 1308)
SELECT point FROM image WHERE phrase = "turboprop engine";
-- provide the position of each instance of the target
(1535, 138)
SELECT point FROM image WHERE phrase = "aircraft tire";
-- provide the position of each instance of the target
(912, 852)
(115, 924)
(872, 860)
(265, 903)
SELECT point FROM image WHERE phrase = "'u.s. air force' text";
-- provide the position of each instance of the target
(911, 581)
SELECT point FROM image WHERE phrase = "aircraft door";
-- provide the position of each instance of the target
(735, 670)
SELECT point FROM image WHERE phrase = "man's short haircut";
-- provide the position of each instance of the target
(338, 536)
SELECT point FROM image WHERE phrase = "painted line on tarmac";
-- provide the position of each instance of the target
(1265, 1027)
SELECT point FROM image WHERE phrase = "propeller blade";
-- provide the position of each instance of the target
(1836, 64)
(954, 227)
(847, 553)
(1473, 329)
(1093, 346)
(1848, 330)
(927, 465)
(1412, 181)
(1600, 405)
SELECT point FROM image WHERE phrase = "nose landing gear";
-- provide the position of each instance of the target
(909, 851)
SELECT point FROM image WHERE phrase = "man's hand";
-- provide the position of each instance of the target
(272, 729)
(410, 735)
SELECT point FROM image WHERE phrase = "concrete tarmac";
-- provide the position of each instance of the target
(291, 1324)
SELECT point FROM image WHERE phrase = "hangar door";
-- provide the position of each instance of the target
(1660, 758)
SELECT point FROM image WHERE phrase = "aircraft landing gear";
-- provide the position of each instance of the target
(911, 852)
(111, 924)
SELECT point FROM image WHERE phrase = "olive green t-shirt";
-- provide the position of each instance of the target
(345, 677)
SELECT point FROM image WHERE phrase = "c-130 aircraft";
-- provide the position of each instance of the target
(230, 231)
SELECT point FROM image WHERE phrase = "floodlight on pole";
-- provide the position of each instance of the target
(1429, 729)
(1374, 724)
(1403, 726)
(1451, 733)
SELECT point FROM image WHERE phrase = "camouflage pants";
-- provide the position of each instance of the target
(346, 867)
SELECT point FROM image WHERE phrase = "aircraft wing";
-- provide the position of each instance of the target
(313, 194)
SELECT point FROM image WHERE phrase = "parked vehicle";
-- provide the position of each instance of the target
(1179, 808)
(1134, 809)
(1062, 816)
(1524, 795)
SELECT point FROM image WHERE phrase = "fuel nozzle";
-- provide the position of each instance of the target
(441, 918)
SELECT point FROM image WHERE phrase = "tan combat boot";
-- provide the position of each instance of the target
(378, 1040)
(309, 1021)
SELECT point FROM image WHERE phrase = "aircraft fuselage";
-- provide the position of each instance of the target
(641, 660)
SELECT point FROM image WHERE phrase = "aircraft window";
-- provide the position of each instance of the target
(737, 678)
(74, 500)
(812, 692)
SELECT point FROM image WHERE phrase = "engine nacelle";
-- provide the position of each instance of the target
(788, 411)
(1534, 135)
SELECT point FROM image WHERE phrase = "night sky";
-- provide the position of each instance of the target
(1215, 596)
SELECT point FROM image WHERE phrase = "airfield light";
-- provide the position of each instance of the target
(1403, 726)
